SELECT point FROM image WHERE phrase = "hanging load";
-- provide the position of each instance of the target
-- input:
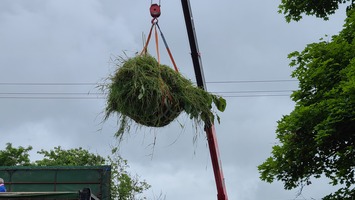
(152, 94)
(145, 91)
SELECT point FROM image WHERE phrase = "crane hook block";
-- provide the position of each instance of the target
(155, 10)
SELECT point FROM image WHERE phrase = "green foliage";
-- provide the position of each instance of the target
(153, 95)
(139, 91)
(71, 157)
(318, 136)
(124, 186)
(293, 9)
(15, 156)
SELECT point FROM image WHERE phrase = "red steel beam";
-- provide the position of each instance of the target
(216, 163)
(209, 127)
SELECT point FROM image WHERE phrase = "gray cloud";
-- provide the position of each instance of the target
(49, 41)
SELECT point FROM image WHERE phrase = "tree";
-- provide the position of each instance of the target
(293, 9)
(318, 137)
(15, 156)
(124, 186)
(74, 157)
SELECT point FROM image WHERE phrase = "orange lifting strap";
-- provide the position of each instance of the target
(155, 13)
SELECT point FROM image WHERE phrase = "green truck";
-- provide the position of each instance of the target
(59, 182)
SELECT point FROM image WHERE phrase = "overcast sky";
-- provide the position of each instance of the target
(54, 46)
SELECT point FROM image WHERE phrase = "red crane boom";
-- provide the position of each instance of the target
(209, 128)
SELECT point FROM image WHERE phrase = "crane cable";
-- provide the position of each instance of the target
(155, 13)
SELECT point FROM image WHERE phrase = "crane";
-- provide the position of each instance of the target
(200, 79)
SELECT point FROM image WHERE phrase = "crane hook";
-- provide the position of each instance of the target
(155, 10)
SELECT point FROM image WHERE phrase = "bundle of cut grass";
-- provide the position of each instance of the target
(154, 95)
